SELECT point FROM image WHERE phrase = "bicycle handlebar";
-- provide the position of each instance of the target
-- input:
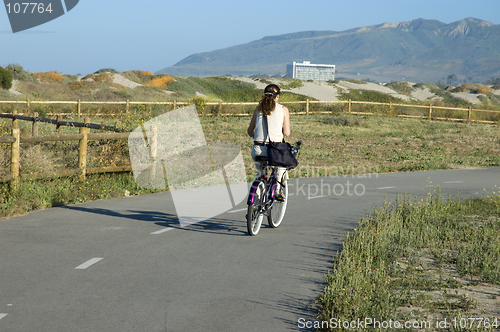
(296, 148)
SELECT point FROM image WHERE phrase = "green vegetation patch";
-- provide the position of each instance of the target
(401, 87)
(417, 254)
(5, 79)
(18, 73)
(368, 95)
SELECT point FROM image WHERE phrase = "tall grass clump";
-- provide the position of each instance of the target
(380, 266)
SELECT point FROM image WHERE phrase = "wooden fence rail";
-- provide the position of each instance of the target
(430, 108)
(59, 122)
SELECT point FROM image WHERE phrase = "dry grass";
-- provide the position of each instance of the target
(382, 143)
(35, 159)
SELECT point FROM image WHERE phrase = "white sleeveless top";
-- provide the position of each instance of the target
(275, 122)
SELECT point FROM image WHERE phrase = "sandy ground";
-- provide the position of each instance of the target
(318, 90)
(424, 94)
(373, 87)
(13, 89)
(470, 97)
(119, 79)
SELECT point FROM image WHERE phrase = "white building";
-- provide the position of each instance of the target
(309, 71)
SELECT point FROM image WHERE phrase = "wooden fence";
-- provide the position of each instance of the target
(307, 103)
(83, 137)
(84, 134)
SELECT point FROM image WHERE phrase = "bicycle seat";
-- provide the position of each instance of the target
(261, 158)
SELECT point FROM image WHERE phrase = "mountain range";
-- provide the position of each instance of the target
(420, 50)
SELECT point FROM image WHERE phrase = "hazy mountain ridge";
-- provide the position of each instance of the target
(418, 50)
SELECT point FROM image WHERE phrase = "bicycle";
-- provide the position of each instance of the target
(263, 198)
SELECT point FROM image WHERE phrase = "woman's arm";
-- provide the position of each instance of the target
(251, 127)
(286, 121)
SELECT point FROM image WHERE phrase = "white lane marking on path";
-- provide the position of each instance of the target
(162, 231)
(88, 263)
(454, 182)
(309, 198)
(381, 188)
(234, 211)
(2, 315)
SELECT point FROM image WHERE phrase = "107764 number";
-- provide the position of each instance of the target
(470, 322)
(24, 8)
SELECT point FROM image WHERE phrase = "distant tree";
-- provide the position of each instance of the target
(451, 78)
(5, 79)
(494, 81)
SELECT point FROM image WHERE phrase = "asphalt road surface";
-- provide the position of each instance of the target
(126, 264)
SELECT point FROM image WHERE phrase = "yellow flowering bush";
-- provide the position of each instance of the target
(49, 77)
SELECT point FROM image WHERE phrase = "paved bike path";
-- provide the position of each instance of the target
(126, 265)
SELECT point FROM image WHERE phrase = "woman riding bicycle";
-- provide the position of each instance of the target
(278, 120)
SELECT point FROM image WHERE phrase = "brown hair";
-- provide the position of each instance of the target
(268, 103)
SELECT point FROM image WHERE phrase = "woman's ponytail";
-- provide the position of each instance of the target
(268, 101)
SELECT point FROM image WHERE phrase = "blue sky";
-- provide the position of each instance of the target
(153, 34)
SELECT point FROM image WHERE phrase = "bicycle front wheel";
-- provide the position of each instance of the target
(275, 216)
(254, 214)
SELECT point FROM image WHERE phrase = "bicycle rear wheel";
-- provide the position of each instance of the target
(254, 216)
(275, 216)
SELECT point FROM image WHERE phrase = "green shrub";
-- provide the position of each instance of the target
(5, 79)
(106, 70)
(18, 73)
(400, 87)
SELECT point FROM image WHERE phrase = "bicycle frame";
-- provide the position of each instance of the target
(268, 183)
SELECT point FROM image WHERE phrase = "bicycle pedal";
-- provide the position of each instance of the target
(280, 198)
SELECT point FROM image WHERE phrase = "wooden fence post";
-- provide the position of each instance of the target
(28, 107)
(390, 107)
(79, 108)
(349, 107)
(15, 122)
(175, 104)
(220, 106)
(307, 106)
(430, 111)
(470, 113)
(127, 107)
(82, 151)
(58, 126)
(16, 148)
(34, 127)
